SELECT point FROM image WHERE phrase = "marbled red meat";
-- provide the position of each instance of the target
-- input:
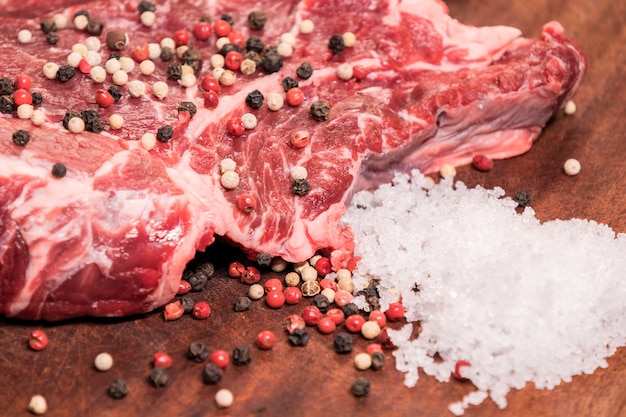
(114, 235)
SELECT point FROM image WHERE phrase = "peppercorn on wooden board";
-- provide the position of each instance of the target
(314, 380)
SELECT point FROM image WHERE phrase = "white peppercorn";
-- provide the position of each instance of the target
(346, 284)
(98, 74)
(299, 173)
(38, 405)
(81, 21)
(93, 58)
(217, 61)
(147, 67)
(217, 72)
(227, 164)
(229, 180)
(80, 48)
(227, 78)
(249, 120)
(345, 71)
(127, 64)
(24, 36)
(308, 273)
(187, 80)
(74, 59)
(329, 293)
(571, 167)
(224, 398)
(256, 292)
(284, 49)
(154, 50)
(307, 26)
(76, 125)
(112, 65)
(570, 108)
(148, 18)
(275, 101)
(60, 21)
(160, 89)
(136, 88)
(349, 39)
(116, 121)
(168, 43)
(103, 361)
(92, 43)
(50, 70)
(25, 111)
(38, 117)
(343, 273)
(119, 77)
(220, 42)
(148, 141)
(447, 171)
(292, 279)
(247, 67)
(370, 330)
(362, 361)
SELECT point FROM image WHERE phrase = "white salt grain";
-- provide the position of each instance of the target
(520, 300)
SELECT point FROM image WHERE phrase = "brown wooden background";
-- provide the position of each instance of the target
(314, 381)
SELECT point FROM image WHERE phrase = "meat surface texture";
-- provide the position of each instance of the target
(113, 236)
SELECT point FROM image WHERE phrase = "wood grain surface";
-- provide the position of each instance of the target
(314, 380)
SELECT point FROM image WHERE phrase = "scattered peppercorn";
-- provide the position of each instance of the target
(92, 121)
(65, 73)
(165, 133)
(320, 110)
(336, 44)
(349, 309)
(522, 198)
(6, 86)
(257, 20)
(21, 137)
(343, 343)
(166, 53)
(255, 99)
(175, 71)
(198, 352)
(271, 61)
(37, 340)
(360, 387)
(192, 58)
(59, 170)
(228, 18)
(52, 38)
(254, 43)
(254, 57)
(241, 355)
(299, 337)
(146, 6)
(94, 27)
(114, 55)
(229, 47)
(115, 92)
(81, 12)
(7, 105)
(118, 389)
(37, 98)
(187, 304)
(116, 39)
(242, 304)
(211, 374)
(68, 115)
(321, 302)
(189, 107)
(289, 83)
(378, 361)
(304, 71)
(300, 186)
(48, 26)
(159, 376)
(264, 259)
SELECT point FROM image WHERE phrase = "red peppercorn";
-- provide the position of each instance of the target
(201, 310)
(251, 275)
(161, 359)
(140, 53)
(323, 264)
(385, 340)
(209, 83)
(266, 339)
(173, 311)
(337, 315)
(104, 98)
(482, 163)
(235, 126)
(326, 325)
(395, 312)
(235, 269)
(21, 96)
(222, 28)
(311, 315)
(328, 283)
(343, 297)
(294, 322)
(232, 61)
(373, 347)
(181, 37)
(295, 96)
(246, 203)
(220, 358)
(358, 72)
(300, 139)
(37, 340)
(84, 66)
(22, 81)
(275, 299)
(379, 317)
(354, 323)
(458, 369)
(236, 37)
(211, 100)
(352, 262)
(293, 295)
(202, 31)
(273, 284)
(183, 287)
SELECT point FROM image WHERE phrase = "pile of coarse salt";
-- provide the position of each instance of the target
(520, 300)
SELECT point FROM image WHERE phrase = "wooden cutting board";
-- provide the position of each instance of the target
(314, 380)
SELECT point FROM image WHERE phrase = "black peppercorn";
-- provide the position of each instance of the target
(271, 61)
(343, 343)
(187, 304)
(6, 104)
(378, 361)
(94, 27)
(118, 389)
(37, 98)
(206, 268)
(254, 43)
(289, 83)
(321, 302)
(254, 57)
(116, 39)
(165, 133)
(257, 20)
(299, 337)
(241, 355)
(254, 99)
(6, 86)
(146, 6)
(21, 137)
(360, 387)
(192, 58)
(159, 376)
(65, 73)
(206, 18)
(242, 304)
(52, 38)
(114, 55)
(166, 54)
(320, 110)
(211, 374)
(228, 47)
(81, 12)
(335, 44)
(115, 92)
(304, 71)
(68, 116)
(47, 26)
(263, 259)
(174, 71)
(59, 170)
(198, 352)
(522, 198)
(349, 309)
(189, 107)
(300, 186)
(197, 281)
(92, 121)
(228, 18)
(89, 115)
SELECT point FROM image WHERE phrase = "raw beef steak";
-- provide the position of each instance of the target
(112, 237)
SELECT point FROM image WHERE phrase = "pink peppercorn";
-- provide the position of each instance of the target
(235, 269)
(273, 284)
(161, 359)
(211, 99)
(183, 287)
(395, 312)
(374, 347)
(337, 315)
(354, 323)
(220, 358)
(343, 297)
(201, 310)
(326, 325)
(37, 340)
(275, 299)
(482, 163)
(459, 368)
(235, 126)
(323, 266)
(266, 339)
(173, 311)
(379, 317)
(294, 322)
(251, 275)
(328, 283)
(293, 295)
(311, 315)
